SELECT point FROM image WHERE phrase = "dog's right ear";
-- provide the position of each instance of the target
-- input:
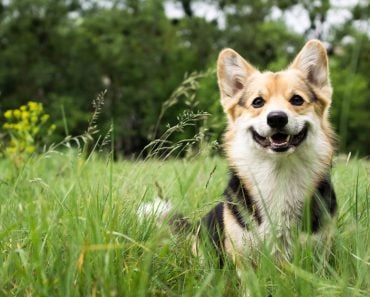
(232, 72)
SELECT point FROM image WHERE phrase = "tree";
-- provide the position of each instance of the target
(63, 53)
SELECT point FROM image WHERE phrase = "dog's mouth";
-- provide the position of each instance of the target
(280, 141)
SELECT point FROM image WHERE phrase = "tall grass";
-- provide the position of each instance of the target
(69, 228)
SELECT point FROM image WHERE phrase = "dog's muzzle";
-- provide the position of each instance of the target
(280, 141)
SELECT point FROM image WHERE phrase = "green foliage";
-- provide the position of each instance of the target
(349, 71)
(63, 53)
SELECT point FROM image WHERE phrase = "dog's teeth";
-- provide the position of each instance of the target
(288, 138)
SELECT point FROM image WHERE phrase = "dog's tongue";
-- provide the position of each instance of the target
(279, 138)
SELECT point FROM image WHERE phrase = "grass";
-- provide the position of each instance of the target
(69, 228)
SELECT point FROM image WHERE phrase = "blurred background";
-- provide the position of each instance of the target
(156, 59)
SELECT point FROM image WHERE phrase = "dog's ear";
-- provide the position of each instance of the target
(232, 72)
(312, 61)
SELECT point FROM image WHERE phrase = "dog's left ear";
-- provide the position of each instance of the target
(312, 61)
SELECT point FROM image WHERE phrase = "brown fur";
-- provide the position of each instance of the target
(278, 87)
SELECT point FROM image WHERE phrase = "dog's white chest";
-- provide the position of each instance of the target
(279, 191)
(279, 203)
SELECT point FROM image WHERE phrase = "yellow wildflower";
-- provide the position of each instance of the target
(17, 113)
(25, 126)
(25, 114)
(18, 126)
(7, 126)
(32, 105)
(8, 114)
(35, 106)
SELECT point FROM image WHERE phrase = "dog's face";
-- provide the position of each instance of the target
(276, 113)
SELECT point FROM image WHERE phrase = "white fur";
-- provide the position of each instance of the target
(159, 208)
(278, 182)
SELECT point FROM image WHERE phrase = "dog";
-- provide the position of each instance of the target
(279, 145)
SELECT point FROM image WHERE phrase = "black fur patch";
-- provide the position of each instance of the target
(322, 205)
(238, 200)
(213, 223)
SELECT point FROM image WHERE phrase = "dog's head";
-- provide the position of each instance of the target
(277, 112)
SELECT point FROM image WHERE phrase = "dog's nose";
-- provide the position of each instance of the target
(277, 119)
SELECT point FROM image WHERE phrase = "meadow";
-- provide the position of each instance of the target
(68, 210)
(69, 227)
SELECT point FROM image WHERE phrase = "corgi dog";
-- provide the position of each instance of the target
(279, 145)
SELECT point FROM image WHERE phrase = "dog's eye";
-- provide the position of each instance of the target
(296, 100)
(258, 102)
